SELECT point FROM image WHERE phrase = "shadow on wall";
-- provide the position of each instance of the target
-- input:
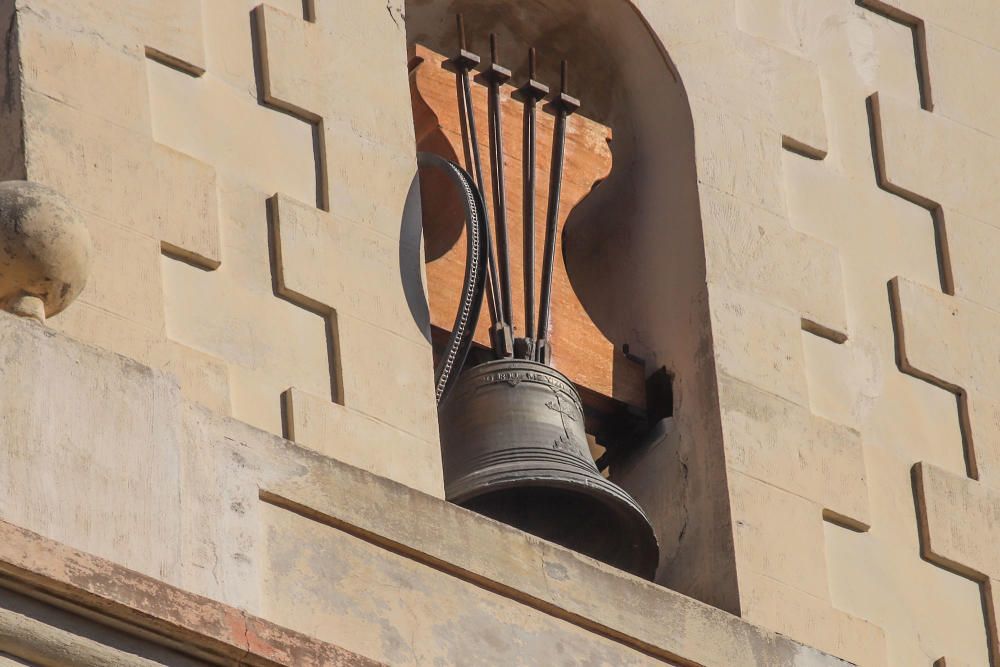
(633, 247)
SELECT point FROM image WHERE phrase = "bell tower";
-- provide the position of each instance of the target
(544, 390)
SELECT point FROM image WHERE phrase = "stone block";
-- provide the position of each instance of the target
(789, 550)
(399, 612)
(933, 161)
(218, 121)
(976, 19)
(959, 93)
(185, 204)
(173, 31)
(354, 438)
(55, 136)
(370, 360)
(328, 264)
(368, 182)
(754, 179)
(770, 87)
(759, 343)
(784, 444)
(926, 324)
(125, 277)
(306, 66)
(959, 519)
(795, 613)
(58, 58)
(90, 454)
(750, 248)
(972, 250)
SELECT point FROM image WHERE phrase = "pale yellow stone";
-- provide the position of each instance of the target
(759, 343)
(126, 278)
(749, 248)
(958, 525)
(766, 75)
(215, 119)
(789, 551)
(351, 437)
(326, 263)
(934, 160)
(46, 72)
(754, 179)
(926, 321)
(960, 518)
(958, 91)
(370, 359)
(783, 444)
(796, 613)
(871, 577)
(972, 250)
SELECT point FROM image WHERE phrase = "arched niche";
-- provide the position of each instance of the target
(633, 249)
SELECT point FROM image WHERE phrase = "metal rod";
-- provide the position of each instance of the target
(542, 352)
(528, 151)
(464, 63)
(497, 76)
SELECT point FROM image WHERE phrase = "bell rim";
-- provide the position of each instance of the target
(646, 546)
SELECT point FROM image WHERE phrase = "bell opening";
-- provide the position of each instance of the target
(598, 526)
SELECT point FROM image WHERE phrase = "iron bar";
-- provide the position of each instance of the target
(463, 64)
(530, 93)
(564, 105)
(496, 76)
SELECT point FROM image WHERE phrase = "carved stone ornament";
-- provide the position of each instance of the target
(45, 251)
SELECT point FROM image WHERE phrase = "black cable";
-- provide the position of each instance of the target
(471, 302)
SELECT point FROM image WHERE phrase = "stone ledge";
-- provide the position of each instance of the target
(228, 468)
(42, 568)
(538, 574)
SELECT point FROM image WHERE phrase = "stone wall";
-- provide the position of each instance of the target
(905, 196)
(246, 173)
(200, 532)
(248, 222)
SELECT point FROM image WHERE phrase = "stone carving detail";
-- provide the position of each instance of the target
(44, 251)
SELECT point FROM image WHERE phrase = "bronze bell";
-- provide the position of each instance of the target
(512, 430)
(515, 450)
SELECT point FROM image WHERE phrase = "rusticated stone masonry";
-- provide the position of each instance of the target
(247, 212)
(946, 162)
